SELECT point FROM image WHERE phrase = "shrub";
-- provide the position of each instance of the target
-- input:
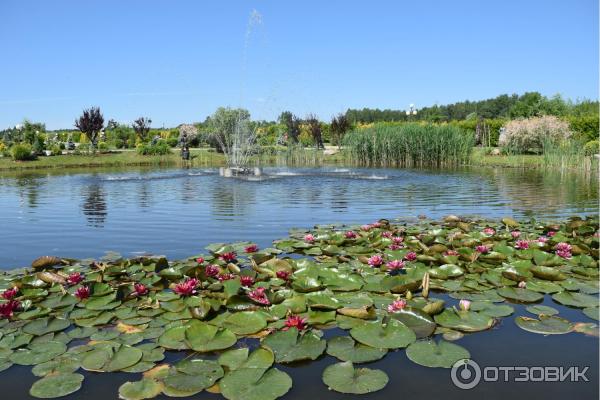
(39, 145)
(591, 147)
(585, 126)
(56, 150)
(102, 146)
(159, 149)
(22, 152)
(3, 148)
(531, 134)
(172, 141)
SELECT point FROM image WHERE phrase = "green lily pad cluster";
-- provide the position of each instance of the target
(379, 287)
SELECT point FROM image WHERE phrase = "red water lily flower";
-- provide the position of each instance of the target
(247, 280)
(82, 292)
(482, 249)
(350, 235)
(225, 277)
(212, 270)
(200, 260)
(259, 296)
(295, 321)
(10, 294)
(140, 289)
(451, 253)
(397, 305)
(376, 260)
(410, 256)
(8, 309)
(285, 275)
(74, 278)
(187, 287)
(251, 249)
(229, 256)
(551, 233)
(395, 265)
(522, 244)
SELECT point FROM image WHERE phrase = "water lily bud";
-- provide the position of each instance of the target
(464, 305)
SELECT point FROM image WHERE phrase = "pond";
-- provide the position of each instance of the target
(177, 212)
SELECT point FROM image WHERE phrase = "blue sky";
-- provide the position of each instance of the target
(176, 61)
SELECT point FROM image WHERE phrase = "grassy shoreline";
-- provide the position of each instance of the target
(203, 157)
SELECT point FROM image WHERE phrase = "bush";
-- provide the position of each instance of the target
(591, 147)
(172, 141)
(585, 126)
(532, 134)
(3, 149)
(159, 149)
(102, 146)
(56, 150)
(39, 144)
(22, 152)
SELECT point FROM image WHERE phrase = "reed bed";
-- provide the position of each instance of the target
(408, 145)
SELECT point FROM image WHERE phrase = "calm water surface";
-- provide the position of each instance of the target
(177, 212)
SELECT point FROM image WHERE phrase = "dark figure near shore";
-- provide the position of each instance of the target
(185, 153)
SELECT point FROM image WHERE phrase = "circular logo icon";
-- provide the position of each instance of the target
(465, 374)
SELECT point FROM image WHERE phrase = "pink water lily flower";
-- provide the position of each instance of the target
(140, 289)
(350, 235)
(225, 277)
(522, 284)
(8, 309)
(376, 224)
(251, 249)
(563, 250)
(82, 292)
(451, 253)
(464, 305)
(398, 239)
(10, 294)
(212, 270)
(551, 233)
(247, 280)
(187, 287)
(522, 244)
(542, 239)
(365, 228)
(489, 231)
(395, 247)
(395, 265)
(410, 256)
(397, 305)
(200, 260)
(74, 278)
(515, 234)
(309, 238)
(483, 249)
(375, 261)
(285, 275)
(386, 234)
(295, 321)
(228, 257)
(259, 296)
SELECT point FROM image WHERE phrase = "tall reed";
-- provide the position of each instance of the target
(567, 154)
(408, 145)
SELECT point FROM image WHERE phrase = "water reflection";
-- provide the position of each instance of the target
(176, 212)
(94, 205)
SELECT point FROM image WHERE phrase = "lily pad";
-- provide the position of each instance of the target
(540, 309)
(38, 353)
(520, 295)
(344, 378)
(142, 389)
(203, 337)
(289, 346)
(346, 349)
(591, 312)
(491, 309)
(436, 355)
(245, 322)
(465, 321)
(392, 335)
(255, 384)
(579, 300)
(545, 325)
(54, 386)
